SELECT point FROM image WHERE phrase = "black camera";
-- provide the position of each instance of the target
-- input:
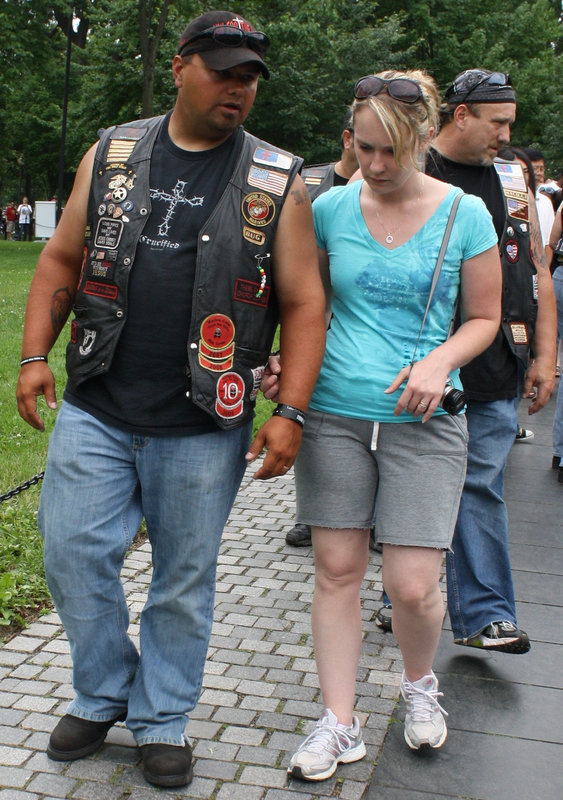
(453, 400)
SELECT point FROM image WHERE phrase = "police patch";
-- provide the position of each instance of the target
(258, 209)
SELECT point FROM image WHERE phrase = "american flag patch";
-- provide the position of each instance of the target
(266, 179)
(271, 159)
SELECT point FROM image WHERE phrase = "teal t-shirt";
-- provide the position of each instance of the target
(379, 298)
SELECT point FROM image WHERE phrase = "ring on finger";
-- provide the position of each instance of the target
(423, 405)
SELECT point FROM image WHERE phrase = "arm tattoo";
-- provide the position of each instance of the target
(299, 196)
(61, 302)
(537, 249)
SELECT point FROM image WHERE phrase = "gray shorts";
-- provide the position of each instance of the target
(415, 472)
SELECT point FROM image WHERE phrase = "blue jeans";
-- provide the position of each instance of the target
(99, 483)
(479, 577)
(558, 418)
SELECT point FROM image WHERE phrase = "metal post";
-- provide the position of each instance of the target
(63, 125)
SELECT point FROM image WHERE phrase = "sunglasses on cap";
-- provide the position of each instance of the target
(229, 36)
(403, 89)
(472, 79)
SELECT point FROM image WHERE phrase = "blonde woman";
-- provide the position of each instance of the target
(375, 427)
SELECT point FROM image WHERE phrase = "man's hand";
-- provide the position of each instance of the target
(539, 383)
(281, 439)
(35, 379)
(270, 384)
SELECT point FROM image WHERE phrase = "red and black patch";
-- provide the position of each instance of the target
(246, 292)
(230, 395)
(105, 290)
(217, 331)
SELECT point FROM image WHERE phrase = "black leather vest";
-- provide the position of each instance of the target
(318, 178)
(519, 274)
(234, 314)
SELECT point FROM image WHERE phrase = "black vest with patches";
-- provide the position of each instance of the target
(318, 178)
(234, 311)
(519, 273)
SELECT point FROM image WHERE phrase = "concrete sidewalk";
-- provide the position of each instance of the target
(260, 693)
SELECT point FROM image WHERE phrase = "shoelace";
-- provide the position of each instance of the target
(325, 737)
(421, 703)
(499, 630)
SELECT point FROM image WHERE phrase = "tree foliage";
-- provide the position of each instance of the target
(319, 48)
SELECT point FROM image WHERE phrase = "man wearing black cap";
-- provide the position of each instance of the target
(183, 242)
(476, 118)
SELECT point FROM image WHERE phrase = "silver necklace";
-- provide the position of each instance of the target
(390, 236)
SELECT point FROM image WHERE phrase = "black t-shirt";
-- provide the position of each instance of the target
(492, 375)
(145, 388)
(339, 180)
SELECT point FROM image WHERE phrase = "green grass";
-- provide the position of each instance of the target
(23, 450)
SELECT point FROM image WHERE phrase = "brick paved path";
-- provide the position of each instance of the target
(260, 691)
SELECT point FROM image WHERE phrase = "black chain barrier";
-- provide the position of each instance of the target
(22, 487)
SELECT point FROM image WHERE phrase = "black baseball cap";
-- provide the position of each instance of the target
(218, 55)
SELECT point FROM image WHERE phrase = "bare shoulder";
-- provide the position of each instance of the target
(298, 194)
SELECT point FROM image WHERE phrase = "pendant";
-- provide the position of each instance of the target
(389, 239)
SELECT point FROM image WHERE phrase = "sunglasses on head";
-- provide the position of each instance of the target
(403, 89)
(229, 36)
(471, 80)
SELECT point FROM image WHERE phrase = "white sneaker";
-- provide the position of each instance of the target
(424, 722)
(329, 744)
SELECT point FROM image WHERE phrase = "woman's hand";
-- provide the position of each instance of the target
(426, 381)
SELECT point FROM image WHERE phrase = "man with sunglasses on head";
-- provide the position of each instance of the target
(480, 107)
(184, 241)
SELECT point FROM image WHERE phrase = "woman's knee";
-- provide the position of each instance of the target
(415, 596)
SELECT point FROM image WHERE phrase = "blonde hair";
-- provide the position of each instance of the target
(410, 126)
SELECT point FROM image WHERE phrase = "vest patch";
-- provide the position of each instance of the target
(230, 395)
(217, 331)
(246, 292)
(88, 339)
(519, 332)
(267, 179)
(107, 291)
(256, 237)
(518, 208)
(258, 209)
(120, 150)
(108, 233)
(215, 366)
(271, 158)
(512, 251)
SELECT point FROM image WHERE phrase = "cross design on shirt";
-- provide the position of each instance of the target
(173, 200)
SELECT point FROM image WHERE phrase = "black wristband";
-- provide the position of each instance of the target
(31, 359)
(290, 412)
